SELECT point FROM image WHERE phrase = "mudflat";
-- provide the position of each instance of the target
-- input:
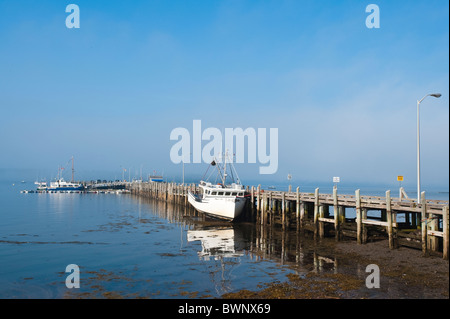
(404, 274)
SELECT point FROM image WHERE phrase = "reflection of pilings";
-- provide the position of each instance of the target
(287, 247)
(170, 211)
(316, 212)
(320, 262)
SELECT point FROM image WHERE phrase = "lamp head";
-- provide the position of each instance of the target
(437, 95)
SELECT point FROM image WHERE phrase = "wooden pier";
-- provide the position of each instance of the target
(424, 225)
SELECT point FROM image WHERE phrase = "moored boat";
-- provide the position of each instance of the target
(60, 184)
(221, 200)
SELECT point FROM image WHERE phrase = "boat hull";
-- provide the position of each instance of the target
(224, 208)
(60, 189)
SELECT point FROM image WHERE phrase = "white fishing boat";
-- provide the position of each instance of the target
(220, 200)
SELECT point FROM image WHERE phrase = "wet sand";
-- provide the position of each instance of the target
(404, 274)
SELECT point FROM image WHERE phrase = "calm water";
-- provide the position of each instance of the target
(124, 245)
(132, 247)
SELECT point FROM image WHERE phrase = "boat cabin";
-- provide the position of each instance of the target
(232, 190)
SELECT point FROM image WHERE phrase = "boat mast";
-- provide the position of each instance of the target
(58, 178)
(225, 169)
(73, 171)
(234, 172)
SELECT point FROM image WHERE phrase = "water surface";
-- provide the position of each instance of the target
(132, 247)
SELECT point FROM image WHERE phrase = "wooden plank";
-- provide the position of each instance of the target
(436, 233)
(327, 220)
(376, 222)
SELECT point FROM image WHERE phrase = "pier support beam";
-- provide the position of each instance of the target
(302, 215)
(264, 209)
(445, 248)
(424, 223)
(283, 210)
(390, 222)
(359, 223)
(433, 242)
(321, 224)
(361, 214)
(258, 201)
(271, 214)
(316, 212)
(337, 227)
(297, 209)
(364, 233)
(252, 199)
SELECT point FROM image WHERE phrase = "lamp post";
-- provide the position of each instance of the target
(436, 95)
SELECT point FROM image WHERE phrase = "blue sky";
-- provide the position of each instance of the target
(342, 96)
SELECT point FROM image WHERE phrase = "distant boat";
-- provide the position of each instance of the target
(60, 184)
(155, 178)
(41, 186)
(221, 200)
(271, 187)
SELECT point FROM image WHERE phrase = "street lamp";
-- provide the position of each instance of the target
(436, 95)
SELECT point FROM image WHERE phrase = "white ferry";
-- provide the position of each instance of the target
(62, 185)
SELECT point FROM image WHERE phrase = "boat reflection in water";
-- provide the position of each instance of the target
(229, 252)
(251, 241)
(221, 250)
(216, 242)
